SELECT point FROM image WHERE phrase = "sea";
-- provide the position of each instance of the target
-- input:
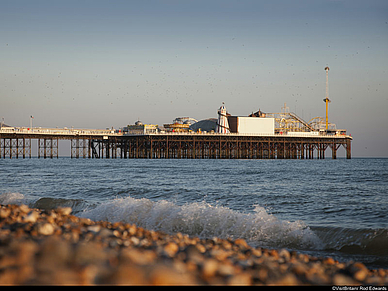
(325, 208)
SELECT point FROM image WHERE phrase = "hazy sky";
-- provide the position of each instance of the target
(98, 64)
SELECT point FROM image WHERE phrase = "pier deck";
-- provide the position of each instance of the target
(16, 143)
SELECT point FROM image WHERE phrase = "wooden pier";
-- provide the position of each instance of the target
(109, 144)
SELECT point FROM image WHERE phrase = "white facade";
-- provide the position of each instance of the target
(255, 125)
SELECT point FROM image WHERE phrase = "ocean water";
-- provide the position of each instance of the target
(336, 208)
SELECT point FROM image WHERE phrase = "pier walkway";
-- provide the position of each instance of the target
(16, 142)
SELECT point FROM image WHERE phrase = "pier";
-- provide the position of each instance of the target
(259, 135)
(97, 144)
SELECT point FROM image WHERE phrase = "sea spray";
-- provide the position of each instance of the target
(204, 220)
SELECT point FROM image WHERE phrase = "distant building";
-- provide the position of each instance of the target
(207, 125)
(140, 128)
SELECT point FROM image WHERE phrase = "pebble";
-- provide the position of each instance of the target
(209, 268)
(45, 229)
(94, 228)
(64, 210)
(171, 248)
(4, 212)
(32, 216)
(53, 247)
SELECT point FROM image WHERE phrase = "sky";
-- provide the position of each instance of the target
(99, 64)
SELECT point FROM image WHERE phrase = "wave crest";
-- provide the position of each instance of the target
(12, 198)
(354, 241)
(207, 221)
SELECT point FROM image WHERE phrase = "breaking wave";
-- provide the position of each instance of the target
(354, 241)
(207, 221)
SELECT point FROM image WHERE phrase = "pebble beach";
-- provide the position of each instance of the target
(54, 247)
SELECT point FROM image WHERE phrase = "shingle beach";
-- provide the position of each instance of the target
(44, 247)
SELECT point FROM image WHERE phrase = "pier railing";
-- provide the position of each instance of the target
(58, 131)
(289, 134)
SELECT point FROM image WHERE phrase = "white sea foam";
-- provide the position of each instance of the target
(12, 198)
(207, 221)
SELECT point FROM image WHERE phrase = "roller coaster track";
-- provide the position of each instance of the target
(297, 118)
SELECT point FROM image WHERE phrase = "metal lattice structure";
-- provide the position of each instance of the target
(178, 146)
(286, 121)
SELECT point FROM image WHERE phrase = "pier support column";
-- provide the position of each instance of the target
(48, 148)
(321, 150)
(6, 147)
(348, 149)
(334, 151)
(89, 149)
(24, 148)
(311, 149)
(301, 151)
(84, 148)
(75, 148)
(41, 143)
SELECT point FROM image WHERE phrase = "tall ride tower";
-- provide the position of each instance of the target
(327, 100)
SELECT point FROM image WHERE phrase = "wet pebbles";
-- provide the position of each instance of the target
(55, 247)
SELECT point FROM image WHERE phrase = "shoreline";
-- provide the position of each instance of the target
(54, 247)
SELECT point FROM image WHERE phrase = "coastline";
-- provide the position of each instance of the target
(53, 247)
